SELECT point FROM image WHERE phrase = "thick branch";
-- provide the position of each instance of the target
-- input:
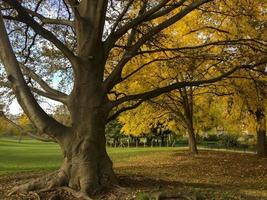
(49, 95)
(90, 25)
(42, 121)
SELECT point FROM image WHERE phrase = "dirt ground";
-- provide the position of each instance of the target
(170, 175)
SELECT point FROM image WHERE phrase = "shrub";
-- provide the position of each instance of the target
(229, 140)
(211, 137)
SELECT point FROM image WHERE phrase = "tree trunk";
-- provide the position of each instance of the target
(91, 167)
(87, 167)
(261, 134)
(187, 103)
(162, 141)
(192, 139)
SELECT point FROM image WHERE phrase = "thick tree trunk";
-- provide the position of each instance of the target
(91, 167)
(261, 134)
(87, 167)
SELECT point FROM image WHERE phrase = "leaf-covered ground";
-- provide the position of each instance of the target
(172, 174)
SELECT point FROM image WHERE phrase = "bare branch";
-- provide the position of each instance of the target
(244, 42)
(23, 16)
(146, 64)
(111, 40)
(49, 92)
(118, 20)
(49, 95)
(46, 20)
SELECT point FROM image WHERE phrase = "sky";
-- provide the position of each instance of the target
(49, 106)
(15, 108)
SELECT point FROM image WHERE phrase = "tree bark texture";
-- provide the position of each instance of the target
(261, 133)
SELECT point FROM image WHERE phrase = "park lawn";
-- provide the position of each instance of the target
(147, 172)
(32, 155)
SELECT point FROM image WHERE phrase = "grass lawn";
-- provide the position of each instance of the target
(148, 172)
(32, 155)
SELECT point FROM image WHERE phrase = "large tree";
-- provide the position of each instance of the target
(93, 42)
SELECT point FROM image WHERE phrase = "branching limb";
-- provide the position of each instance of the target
(156, 92)
(120, 17)
(63, 99)
(23, 16)
(46, 20)
(111, 40)
(49, 92)
(115, 77)
(40, 118)
(121, 110)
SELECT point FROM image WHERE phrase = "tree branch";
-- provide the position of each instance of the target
(42, 120)
(118, 20)
(114, 36)
(49, 92)
(23, 16)
(156, 92)
(46, 20)
(217, 43)
(116, 114)
(32, 135)
(115, 76)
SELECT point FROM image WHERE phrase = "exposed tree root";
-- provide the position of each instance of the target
(53, 180)
(76, 194)
(121, 189)
(36, 195)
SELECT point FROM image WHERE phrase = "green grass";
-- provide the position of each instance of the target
(29, 155)
(221, 175)
(32, 155)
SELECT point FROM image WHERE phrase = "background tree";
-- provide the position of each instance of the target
(252, 93)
